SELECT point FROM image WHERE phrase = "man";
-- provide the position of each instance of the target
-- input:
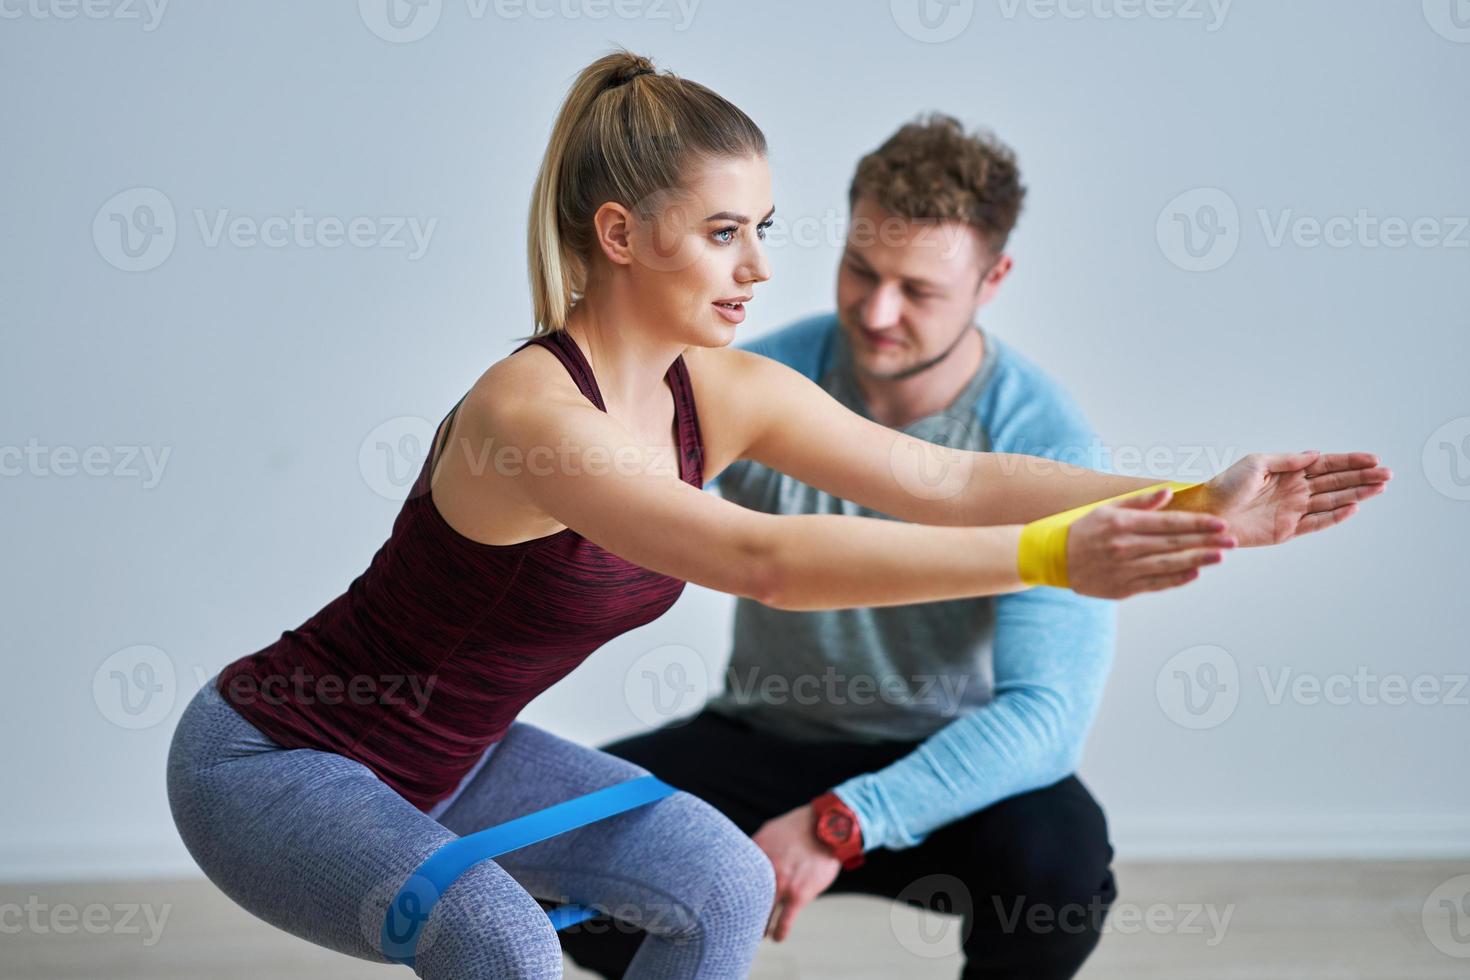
(924, 753)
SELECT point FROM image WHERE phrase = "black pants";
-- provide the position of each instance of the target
(1029, 876)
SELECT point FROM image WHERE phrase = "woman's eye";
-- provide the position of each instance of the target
(726, 231)
(760, 229)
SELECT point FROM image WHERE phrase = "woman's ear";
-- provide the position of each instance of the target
(613, 226)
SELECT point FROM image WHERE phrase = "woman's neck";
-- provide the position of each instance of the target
(628, 362)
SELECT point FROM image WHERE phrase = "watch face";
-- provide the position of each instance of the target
(837, 826)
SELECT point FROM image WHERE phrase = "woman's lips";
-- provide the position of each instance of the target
(734, 312)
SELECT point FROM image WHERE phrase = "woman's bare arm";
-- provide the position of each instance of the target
(782, 419)
(593, 478)
(791, 424)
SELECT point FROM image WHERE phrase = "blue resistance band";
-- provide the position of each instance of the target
(410, 908)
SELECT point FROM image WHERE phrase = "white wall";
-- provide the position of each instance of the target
(262, 371)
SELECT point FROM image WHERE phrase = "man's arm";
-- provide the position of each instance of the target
(1052, 651)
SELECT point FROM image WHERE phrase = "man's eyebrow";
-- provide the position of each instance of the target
(911, 280)
(738, 218)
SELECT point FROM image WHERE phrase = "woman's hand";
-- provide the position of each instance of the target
(1121, 549)
(1270, 498)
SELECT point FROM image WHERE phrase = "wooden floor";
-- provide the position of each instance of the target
(1237, 921)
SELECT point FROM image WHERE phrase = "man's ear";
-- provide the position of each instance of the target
(612, 226)
(991, 280)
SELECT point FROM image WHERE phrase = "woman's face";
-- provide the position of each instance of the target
(697, 251)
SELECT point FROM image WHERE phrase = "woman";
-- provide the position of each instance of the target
(561, 506)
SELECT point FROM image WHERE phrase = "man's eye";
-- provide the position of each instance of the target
(860, 272)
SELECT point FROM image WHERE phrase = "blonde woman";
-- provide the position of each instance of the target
(560, 506)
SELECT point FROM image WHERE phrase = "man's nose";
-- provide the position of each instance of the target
(881, 308)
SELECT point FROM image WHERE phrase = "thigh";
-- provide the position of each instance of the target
(1049, 846)
(653, 867)
(747, 774)
(316, 844)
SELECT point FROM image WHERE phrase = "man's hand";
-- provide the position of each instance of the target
(804, 866)
(1270, 498)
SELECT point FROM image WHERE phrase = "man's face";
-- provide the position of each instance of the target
(907, 289)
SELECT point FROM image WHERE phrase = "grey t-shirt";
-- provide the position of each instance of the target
(870, 673)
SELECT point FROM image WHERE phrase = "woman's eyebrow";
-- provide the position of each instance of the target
(738, 218)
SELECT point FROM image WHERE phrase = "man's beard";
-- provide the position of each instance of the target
(923, 366)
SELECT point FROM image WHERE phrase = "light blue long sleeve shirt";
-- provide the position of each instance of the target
(1023, 672)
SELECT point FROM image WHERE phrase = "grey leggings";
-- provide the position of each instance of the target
(316, 844)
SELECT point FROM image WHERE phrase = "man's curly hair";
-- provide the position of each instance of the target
(932, 169)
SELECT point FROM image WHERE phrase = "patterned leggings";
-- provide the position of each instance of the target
(316, 844)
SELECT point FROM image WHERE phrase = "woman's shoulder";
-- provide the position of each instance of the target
(734, 371)
(525, 377)
(717, 365)
(528, 390)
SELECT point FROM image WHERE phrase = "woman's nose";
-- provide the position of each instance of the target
(756, 267)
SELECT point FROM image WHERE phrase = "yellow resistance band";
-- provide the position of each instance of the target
(1042, 558)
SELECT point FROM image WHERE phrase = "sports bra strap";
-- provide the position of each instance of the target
(437, 450)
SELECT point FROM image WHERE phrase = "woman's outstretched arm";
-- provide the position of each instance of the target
(593, 476)
(787, 422)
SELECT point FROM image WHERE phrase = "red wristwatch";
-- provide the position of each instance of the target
(837, 827)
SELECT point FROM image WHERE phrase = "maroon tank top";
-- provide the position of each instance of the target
(431, 652)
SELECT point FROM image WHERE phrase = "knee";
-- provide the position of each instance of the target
(1057, 877)
(1052, 860)
(728, 883)
(486, 926)
(746, 881)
